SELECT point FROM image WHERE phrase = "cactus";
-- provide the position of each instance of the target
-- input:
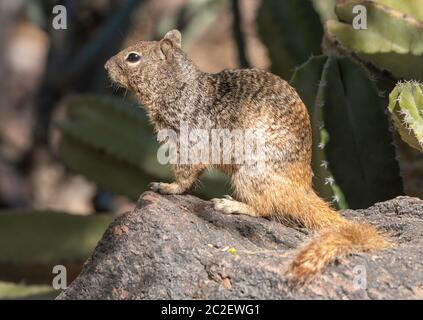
(359, 150)
(16, 291)
(109, 142)
(393, 40)
(406, 109)
(413, 8)
(118, 128)
(39, 240)
(44, 237)
(325, 8)
(305, 80)
(276, 19)
(112, 143)
(105, 170)
(352, 143)
(19, 291)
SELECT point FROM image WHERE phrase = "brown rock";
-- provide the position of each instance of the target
(178, 247)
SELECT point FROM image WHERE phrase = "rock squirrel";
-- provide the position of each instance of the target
(172, 89)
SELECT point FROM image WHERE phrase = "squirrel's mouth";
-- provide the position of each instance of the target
(117, 80)
(115, 76)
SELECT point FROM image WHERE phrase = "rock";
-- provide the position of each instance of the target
(178, 247)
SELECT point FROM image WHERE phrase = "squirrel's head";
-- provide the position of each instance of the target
(149, 65)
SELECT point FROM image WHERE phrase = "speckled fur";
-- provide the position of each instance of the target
(173, 89)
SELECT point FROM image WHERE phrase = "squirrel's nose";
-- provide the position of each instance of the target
(108, 65)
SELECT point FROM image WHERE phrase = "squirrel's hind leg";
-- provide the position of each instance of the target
(249, 191)
(230, 206)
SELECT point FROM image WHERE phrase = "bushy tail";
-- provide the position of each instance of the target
(335, 240)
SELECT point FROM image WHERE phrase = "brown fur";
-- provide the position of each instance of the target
(172, 89)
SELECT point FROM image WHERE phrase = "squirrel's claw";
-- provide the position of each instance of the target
(154, 186)
(165, 188)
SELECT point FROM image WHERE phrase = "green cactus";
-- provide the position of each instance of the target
(358, 146)
(305, 80)
(406, 109)
(325, 8)
(105, 170)
(117, 128)
(19, 291)
(413, 8)
(276, 21)
(110, 142)
(33, 242)
(45, 237)
(393, 40)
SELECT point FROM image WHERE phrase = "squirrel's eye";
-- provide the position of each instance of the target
(133, 57)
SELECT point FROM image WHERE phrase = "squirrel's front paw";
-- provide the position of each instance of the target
(165, 188)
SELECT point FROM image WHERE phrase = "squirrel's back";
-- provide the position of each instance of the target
(254, 86)
(253, 98)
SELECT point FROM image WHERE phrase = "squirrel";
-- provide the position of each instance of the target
(172, 89)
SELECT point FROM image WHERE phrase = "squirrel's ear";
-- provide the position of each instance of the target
(171, 40)
(165, 48)
(175, 37)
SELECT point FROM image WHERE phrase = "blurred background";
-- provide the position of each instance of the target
(75, 152)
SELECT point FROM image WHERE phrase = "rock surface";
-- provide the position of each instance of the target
(178, 247)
